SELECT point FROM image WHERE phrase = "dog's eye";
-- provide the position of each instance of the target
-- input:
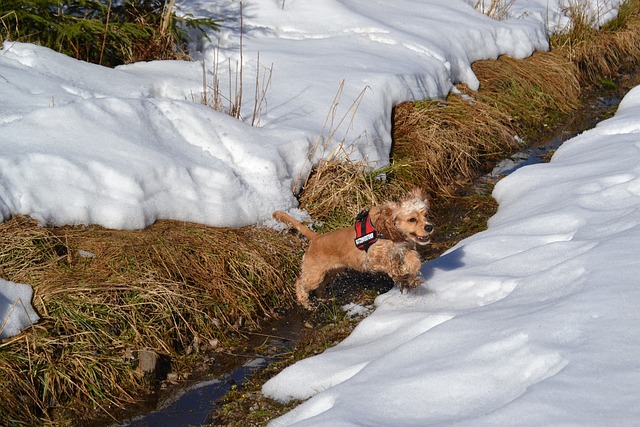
(413, 220)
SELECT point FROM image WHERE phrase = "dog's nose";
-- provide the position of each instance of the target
(428, 228)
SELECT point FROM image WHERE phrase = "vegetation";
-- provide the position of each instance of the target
(600, 53)
(104, 32)
(104, 296)
(183, 290)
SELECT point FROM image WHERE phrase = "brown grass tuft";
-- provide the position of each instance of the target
(532, 92)
(601, 53)
(446, 143)
(337, 190)
(443, 144)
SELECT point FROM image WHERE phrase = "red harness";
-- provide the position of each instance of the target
(366, 234)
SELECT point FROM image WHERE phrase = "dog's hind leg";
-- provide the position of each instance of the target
(312, 280)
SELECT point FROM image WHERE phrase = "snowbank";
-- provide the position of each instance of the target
(125, 147)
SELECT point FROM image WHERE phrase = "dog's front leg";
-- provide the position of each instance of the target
(409, 276)
(399, 262)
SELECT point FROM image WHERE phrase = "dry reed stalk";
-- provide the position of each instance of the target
(494, 9)
(167, 14)
(332, 123)
(260, 94)
(216, 100)
(106, 31)
(5, 31)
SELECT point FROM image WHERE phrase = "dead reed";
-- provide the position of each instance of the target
(495, 9)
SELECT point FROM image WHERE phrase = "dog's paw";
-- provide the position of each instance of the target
(408, 282)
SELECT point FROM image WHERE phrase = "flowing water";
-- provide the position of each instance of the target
(596, 107)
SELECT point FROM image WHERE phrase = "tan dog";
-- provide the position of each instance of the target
(387, 244)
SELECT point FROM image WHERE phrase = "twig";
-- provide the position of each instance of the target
(333, 128)
(261, 90)
(239, 95)
(106, 29)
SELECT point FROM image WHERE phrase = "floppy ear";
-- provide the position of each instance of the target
(384, 220)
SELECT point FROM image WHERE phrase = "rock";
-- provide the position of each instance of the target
(147, 361)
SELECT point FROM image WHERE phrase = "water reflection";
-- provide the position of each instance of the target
(192, 405)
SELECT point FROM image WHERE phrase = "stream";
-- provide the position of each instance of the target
(192, 401)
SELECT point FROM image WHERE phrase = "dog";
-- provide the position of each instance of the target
(384, 239)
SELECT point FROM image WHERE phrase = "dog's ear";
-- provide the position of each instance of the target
(384, 220)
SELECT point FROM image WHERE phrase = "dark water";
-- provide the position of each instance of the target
(192, 401)
(191, 405)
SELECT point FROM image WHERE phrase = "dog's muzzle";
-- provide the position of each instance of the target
(423, 240)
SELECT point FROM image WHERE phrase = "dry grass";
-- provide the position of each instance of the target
(175, 288)
(337, 190)
(443, 144)
(446, 143)
(601, 53)
(532, 92)
(494, 9)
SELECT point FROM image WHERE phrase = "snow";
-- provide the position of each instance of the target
(16, 312)
(125, 147)
(532, 322)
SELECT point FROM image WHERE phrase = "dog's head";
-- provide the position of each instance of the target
(405, 220)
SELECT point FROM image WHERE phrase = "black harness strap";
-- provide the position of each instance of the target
(366, 234)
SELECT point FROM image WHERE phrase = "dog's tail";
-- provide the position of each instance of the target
(303, 229)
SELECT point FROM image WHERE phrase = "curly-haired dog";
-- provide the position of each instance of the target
(383, 240)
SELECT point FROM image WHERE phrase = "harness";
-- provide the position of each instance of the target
(366, 233)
